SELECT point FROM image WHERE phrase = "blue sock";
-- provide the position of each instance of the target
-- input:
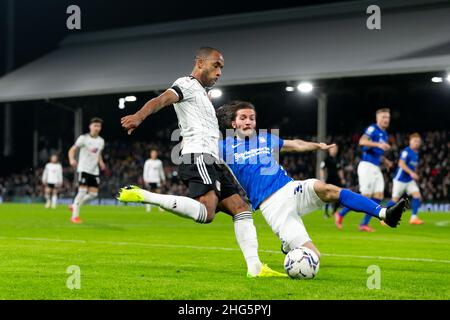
(344, 211)
(356, 202)
(415, 204)
(365, 221)
(390, 203)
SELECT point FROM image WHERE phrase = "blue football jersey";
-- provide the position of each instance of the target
(254, 165)
(411, 159)
(371, 154)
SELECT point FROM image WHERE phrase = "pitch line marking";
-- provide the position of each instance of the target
(152, 245)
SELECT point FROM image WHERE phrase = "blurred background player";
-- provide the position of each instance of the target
(405, 177)
(332, 173)
(370, 178)
(153, 175)
(90, 146)
(52, 178)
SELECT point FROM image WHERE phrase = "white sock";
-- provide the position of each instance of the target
(382, 214)
(47, 200)
(182, 206)
(77, 202)
(54, 200)
(88, 197)
(148, 207)
(245, 232)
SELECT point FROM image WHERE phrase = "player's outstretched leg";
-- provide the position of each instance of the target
(182, 206)
(356, 202)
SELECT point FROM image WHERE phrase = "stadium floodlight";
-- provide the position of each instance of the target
(290, 88)
(448, 78)
(215, 93)
(305, 87)
(122, 103)
(436, 79)
(130, 98)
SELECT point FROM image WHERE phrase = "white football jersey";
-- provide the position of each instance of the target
(53, 173)
(153, 171)
(196, 117)
(90, 149)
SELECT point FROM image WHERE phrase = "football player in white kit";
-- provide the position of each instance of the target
(153, 175)
(90, 146)
(52, 178)
(209, 188)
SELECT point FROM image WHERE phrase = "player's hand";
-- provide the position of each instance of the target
(102, 166)
(73, 163)
(414, 176)
(384, 146)
(130, 122)
(324, 146)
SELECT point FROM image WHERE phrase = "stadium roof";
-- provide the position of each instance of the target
(327, 41)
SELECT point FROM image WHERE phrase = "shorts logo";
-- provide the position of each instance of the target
(298, 189)
(218, 185)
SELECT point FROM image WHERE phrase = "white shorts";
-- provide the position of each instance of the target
(370, 178)
(399, 188)
(283, 211)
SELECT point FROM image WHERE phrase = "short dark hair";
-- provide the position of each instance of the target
(228, 113)
(204, 52)
(96, 120)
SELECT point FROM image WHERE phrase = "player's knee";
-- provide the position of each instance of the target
(327, 192)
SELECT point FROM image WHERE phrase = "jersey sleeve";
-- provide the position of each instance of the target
(183, 89)
(404, 155)
(80, 141)
(370, 130)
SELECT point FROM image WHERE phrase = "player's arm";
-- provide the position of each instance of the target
(162, 174)
(101, 163)
(388, 163)
(298, 145)
(60, 176)
(402, 164)
(165, 99)
(44, 176)
(365, 141)
(145, 175)
(71, 155)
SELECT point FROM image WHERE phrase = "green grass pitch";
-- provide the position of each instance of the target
(126, 253)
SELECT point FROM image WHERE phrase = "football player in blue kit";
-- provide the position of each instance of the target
(251, 157)
(374, 142)
(405, 177)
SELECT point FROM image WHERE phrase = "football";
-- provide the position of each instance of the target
(301, 263)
